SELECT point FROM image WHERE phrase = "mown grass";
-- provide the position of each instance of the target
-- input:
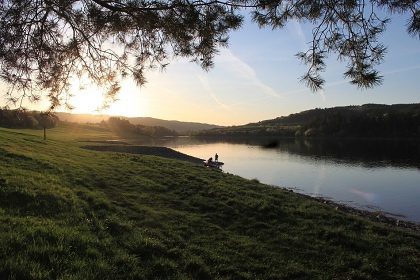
(71, 213)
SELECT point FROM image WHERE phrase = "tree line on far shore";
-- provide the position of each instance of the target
(370, 120)
(123, 126)
(366, 121)
(387, 125)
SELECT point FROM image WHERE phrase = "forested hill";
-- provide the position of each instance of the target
(180, 127)
(372, 110)
(369, 120)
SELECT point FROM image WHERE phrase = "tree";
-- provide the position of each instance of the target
(44, 44)
(47, 120)
(17, 119)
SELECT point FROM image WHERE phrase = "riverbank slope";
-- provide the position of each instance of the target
(73, 213)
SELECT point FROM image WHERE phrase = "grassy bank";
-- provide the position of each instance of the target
(72, 213)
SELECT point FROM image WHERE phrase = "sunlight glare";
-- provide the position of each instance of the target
(88, 99)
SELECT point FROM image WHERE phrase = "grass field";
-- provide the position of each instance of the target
(72, 213)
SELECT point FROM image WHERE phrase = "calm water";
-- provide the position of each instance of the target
(375, 175)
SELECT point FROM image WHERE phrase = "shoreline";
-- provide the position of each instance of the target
(375, 216)
(121, 147)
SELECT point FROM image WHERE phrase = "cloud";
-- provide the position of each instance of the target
(296, 29)
(243, 70)
(407, 69)
(235, 67)
(205, 83)
(322, 94)
(402, 70)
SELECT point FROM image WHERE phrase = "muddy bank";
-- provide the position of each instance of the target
(146, 150)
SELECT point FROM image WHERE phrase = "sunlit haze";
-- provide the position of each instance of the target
(257, 78)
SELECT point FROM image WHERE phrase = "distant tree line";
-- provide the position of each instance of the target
(389, 124)
(369, 120)
(123, 126)
(38, 120)
(26, 119)
(248, 131)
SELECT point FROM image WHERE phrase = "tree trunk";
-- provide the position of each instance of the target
(45, 133)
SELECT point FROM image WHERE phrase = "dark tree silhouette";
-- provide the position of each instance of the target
(44, 44)
(47, 120)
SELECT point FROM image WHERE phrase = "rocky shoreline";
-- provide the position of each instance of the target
(375, 216)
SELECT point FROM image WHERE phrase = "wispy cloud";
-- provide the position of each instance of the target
(205, 83)
(322, 94)
(401, 70)
(341, 82)
(296, 29)
(242, 69)
(237, 68)
(249, 101)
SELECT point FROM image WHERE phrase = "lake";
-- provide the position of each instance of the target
(376, 175)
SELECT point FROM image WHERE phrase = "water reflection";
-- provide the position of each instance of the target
(365, 153)
(372, 174)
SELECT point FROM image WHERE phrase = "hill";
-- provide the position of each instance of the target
(180, 127)
(369, 120)
(376, 110)
(71, 213)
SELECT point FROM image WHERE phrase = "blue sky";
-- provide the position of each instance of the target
(257, 78)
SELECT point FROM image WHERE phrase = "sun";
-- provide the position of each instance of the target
(88, 99)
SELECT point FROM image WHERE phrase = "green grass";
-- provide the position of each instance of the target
(71, 213)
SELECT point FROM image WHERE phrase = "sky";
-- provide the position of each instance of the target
(258, 78)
